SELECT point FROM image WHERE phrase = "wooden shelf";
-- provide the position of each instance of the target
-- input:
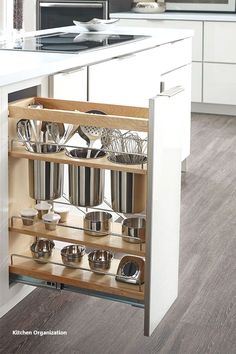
(70, 235)
(61, 157)
(73, 112)
(76, 277)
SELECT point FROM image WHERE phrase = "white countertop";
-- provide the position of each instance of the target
(17, 66)
(183, 16)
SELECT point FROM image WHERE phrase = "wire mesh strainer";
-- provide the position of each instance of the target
(125, 147)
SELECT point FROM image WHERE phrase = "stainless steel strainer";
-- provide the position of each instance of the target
(125, 147)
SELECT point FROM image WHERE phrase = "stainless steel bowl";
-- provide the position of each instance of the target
(45, 148)
(41, 250)
(72, 254)
(100, 260)
(135, 228)
(97, 223)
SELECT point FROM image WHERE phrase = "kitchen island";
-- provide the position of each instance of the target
(156, 63)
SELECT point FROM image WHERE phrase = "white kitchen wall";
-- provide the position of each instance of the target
(29, 15)
(6, 16)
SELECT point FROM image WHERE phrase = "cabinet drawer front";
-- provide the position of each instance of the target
(219, 85)
(219, 42)
(197, 38)
(196, 26)
(70, 85)
(181, 51)
(126, 80)
(181, 77)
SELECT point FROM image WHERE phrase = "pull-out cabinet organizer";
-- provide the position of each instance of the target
(163, 172)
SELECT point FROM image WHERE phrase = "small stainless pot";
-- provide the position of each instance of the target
(41, 250)
(100, 260)
(135, 228)
(97, 223)
(72, 254)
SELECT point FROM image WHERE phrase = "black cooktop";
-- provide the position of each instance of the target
(62, 42)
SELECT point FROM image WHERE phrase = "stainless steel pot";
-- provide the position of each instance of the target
(86, 184)
(45, 180)
(128, 192)
(135, 228)
(97, 223)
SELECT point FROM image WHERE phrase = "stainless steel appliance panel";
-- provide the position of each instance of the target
(60, 13)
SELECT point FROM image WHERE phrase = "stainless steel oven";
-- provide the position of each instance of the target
(59, 13)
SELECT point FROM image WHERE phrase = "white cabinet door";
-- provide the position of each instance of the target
(127, 80)
(219, 85)
(219, 42)
(196, 82)
(70, 85)
(182, 77)
(164, 183)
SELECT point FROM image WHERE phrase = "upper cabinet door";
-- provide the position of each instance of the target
(127, 80)
(219, 42)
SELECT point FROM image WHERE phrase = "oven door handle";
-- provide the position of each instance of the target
(78, 4)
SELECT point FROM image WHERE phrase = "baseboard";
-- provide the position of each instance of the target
(221, 109)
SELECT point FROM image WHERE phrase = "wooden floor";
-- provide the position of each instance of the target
(203, 319)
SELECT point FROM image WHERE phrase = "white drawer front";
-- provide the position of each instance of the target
(219, 85)
(219, 42)
(181, 51)
(196, 26)
(182, 77)
(71, 85)
(193, 25)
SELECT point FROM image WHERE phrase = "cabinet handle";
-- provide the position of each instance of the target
(172, 91)
(72, 4)
(162, 86)
(67, 72)
(123, 57)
